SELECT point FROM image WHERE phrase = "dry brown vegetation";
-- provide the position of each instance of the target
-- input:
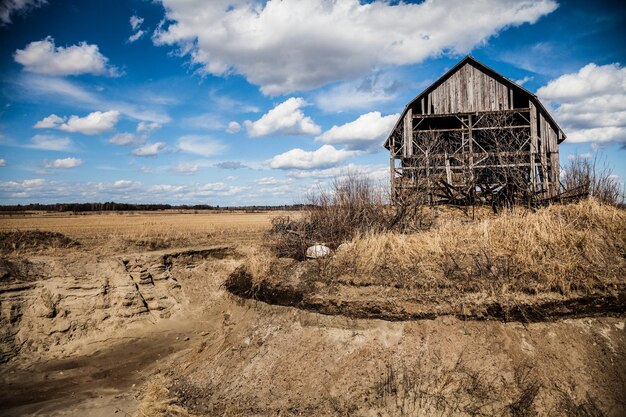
(522, 264)
(562, 248)
(130, 231)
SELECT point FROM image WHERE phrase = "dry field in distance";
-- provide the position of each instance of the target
(106, 232)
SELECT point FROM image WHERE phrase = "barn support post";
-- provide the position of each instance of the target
(533, 148)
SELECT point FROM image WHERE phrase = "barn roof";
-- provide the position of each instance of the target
(470, 59)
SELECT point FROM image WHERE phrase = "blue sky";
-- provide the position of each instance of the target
(249, 102)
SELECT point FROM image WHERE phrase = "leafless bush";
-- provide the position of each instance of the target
(592, 177)
(353, 205)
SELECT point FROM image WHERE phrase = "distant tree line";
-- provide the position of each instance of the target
(113, 206)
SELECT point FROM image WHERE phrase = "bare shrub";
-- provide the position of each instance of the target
(353, 205)
(591, 177)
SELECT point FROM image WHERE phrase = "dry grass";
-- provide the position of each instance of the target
(119, 232)
(157, 401)
(560, 248)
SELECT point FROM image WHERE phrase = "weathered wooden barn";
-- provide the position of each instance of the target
(474, 135)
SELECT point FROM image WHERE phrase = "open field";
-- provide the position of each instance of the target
(112, 232)
(129, 314)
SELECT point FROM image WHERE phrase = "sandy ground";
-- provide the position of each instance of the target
(225, 355)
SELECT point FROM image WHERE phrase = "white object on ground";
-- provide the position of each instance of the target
(317, 251)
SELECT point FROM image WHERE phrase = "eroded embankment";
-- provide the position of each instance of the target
(48, 302)
(300, 285)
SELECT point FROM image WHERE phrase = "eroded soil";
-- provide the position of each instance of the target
(83, 334)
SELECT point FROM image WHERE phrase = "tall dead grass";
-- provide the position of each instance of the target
(560, 248)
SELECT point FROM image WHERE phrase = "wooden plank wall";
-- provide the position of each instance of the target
(468, 90)
(407, 135)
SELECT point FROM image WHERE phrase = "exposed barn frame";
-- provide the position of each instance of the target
(474, 135)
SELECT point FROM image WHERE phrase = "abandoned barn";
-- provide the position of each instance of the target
(473, 136)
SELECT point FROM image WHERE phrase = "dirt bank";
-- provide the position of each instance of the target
(216, 353)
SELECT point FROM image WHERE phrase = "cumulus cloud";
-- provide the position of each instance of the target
(22, 186)
(150, 149)
(92, 124)
(64, 163)
(200, 145)
(292, 45)
(233, 127)
(127, 139)
(325, 157)
(43, 57)
(286, 118)
(367, 132)
(590, 104)
(50, 143)
(145, 127)
(9, 8)
(49, 122)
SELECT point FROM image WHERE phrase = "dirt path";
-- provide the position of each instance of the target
(104, 380)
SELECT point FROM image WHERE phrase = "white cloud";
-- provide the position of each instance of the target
(92, 124)
(233, 127)
(43, 57)
(135, 22)
(325, 157)
(50, 143)
(590, 104)
(3, 162)
(286, 118)
(291, 45)
(367, 132)
(151, 149)
(272, 181)
(8, 8)
(49, 122)
(124, 184)
(135, 36)
(147, 127)
(524, 80)
(200, 145)
(22, 185)
(64, 163)
(127, 139)
(374, 172)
